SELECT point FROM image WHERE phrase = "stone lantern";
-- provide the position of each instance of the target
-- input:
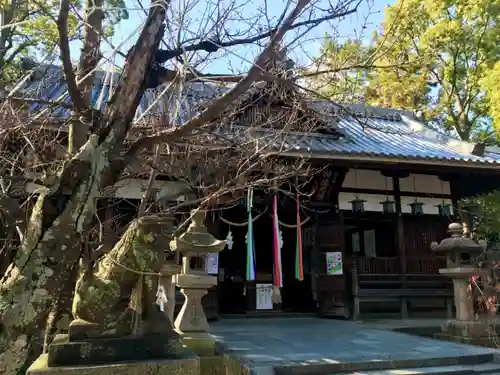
(460, 252)
(194, 245)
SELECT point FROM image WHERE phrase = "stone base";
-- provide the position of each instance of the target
(201, 343)
(189, 365)
(63, 352)
(469, 329)
(194, 281)
(222, 365)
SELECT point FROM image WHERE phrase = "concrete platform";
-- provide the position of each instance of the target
(314, 346)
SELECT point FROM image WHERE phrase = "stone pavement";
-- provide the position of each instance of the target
(321, 346)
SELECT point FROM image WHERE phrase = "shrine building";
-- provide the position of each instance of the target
(358, 239)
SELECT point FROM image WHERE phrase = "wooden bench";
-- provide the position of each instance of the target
(385, 289)
(399, 288)
(428, 286)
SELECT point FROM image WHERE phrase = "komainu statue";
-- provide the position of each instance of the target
(115, 310)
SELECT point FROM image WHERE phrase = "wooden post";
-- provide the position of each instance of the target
(315, 259)
(400, 240)
(355, 290)
(455, 197)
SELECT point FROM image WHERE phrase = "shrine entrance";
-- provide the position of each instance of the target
(237, 295)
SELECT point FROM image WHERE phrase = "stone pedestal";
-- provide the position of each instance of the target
(168, 280)
(85, 345)
(460, 252)
(461, 290)
(86, 350)
(188, 365)
(464, 325)
(469, 329)
(191, 322)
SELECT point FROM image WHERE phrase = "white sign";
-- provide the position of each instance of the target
(212, 263)
(263, 293)
(334, 263)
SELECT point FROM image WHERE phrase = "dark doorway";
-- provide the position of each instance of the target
(296, 295)
(232, 263)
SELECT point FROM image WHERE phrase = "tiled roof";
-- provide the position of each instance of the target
(392, 134)
(368, 132)
(48, 84)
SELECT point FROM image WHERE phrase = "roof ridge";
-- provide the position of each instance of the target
(455, 143)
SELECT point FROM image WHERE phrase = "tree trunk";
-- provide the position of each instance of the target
(49, 254)
(53, 240)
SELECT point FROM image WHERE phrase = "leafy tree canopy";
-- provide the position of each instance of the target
(438, 57)
(29, 29)
(485, 212)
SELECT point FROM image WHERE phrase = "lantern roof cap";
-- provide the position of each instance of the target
(457, 243)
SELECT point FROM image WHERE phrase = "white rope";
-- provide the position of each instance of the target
(243, 224)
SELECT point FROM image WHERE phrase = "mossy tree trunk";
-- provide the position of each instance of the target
(52, 245)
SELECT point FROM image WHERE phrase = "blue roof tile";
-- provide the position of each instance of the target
(367, 131)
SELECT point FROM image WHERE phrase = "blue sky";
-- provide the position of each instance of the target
(237, 59)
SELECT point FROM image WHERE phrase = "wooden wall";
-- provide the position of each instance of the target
(420, 232)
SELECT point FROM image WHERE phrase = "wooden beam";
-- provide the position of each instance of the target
(401, 193)
(407, 166)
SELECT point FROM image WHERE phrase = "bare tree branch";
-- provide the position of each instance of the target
(132, 83)
(218, 106)
(62, 26)
(90, 54)
(212, 46)
(89, 58)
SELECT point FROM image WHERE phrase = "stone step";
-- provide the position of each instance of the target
(490, 368)
(394, 367)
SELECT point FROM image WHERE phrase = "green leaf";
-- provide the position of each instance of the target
(440, 57)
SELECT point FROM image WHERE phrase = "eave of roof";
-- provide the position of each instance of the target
(381, 159)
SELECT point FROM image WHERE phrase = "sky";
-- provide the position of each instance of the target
(246, 18)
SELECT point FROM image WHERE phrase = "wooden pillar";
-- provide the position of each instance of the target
(400, 241)
(314, 260)
(455, 197)
(333, 291)
(400, 237)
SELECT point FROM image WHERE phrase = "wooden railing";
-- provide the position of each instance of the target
(427, 265)
(392, 265)
(378, 265)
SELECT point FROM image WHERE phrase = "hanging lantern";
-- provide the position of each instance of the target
(388, 206)
(417, 208)
(444, 209)
(358, 205)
